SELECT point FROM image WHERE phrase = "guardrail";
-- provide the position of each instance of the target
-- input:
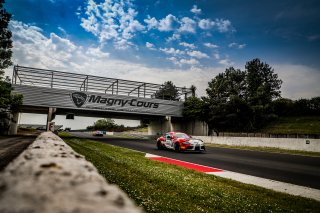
(88, 83)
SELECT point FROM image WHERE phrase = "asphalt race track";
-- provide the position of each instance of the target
(295, 169)
(11, 147)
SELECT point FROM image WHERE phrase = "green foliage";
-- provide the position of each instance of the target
(104, 124)
(238, 100)
(5, 40)
(109, 125)
(226, 105)
(294, 125)
(168, 92)
(301, 107)
(193, 108)
(160, 187)
(263, 84)
(227, 85)
(8, 102)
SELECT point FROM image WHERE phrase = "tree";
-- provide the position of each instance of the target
(226, 108)
(242, 100)
(104, 124)
(194, 108)
(263, 85)
(168, 92)
(5, 40)
(9, 103)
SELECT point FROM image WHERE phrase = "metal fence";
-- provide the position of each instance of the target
(88, 83)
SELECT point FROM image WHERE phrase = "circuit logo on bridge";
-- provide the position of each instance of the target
(79, 98)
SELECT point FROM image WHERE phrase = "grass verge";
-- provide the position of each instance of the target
(294, 125)
(159, 187)
(267, 149)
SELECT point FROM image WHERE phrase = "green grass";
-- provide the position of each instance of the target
(159, 187)
(268, 149)
(65, 134)
(294, 125)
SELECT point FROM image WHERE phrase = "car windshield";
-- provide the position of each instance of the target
(181, 135)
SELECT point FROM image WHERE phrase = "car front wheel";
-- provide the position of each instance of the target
(177, 147)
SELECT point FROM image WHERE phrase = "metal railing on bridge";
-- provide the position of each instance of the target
(88, 83)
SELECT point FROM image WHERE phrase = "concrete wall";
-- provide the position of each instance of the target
(311, 145)
(196, 128)
(50, 177)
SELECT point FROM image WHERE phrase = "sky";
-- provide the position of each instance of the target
(187, 42)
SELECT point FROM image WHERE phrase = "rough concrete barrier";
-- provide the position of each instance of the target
(311, 145)
(50, 177)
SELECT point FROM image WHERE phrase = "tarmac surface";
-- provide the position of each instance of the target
(294, 169)
(11, 147)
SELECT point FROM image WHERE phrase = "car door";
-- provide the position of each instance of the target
(168, 140)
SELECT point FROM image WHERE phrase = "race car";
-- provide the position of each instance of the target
(179, 141)
(97, 133)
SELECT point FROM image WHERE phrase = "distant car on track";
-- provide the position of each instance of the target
(97, 133)
(179, 141)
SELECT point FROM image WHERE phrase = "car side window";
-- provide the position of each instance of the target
(168, 136)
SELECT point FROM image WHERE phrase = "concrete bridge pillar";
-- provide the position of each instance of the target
(13, 129)
(160, 126)
(50, 116)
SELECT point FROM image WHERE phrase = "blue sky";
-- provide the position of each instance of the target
(187, 42)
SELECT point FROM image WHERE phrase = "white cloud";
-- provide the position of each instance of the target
(116, 21)
(150, 46)
(191, 61)
(174, 37)
(195, 10)
(187, 25)
(197, 54)
(221, 25)
(32, 48)
(62, 30)
(172, 51)
(152, 23)
(210, 45)
(299, 81)
(206, 24)
(236, 45)
(216, 56)
(225, 62)
(168, 23)
(112, 21)
(97, 53)
(185, 44)
(183, 61)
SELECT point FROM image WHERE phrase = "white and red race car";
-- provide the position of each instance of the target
(179, 141)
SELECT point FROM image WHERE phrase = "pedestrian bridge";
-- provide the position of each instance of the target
(56, 92)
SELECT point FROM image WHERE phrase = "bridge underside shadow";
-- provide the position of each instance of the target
(157, 124)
